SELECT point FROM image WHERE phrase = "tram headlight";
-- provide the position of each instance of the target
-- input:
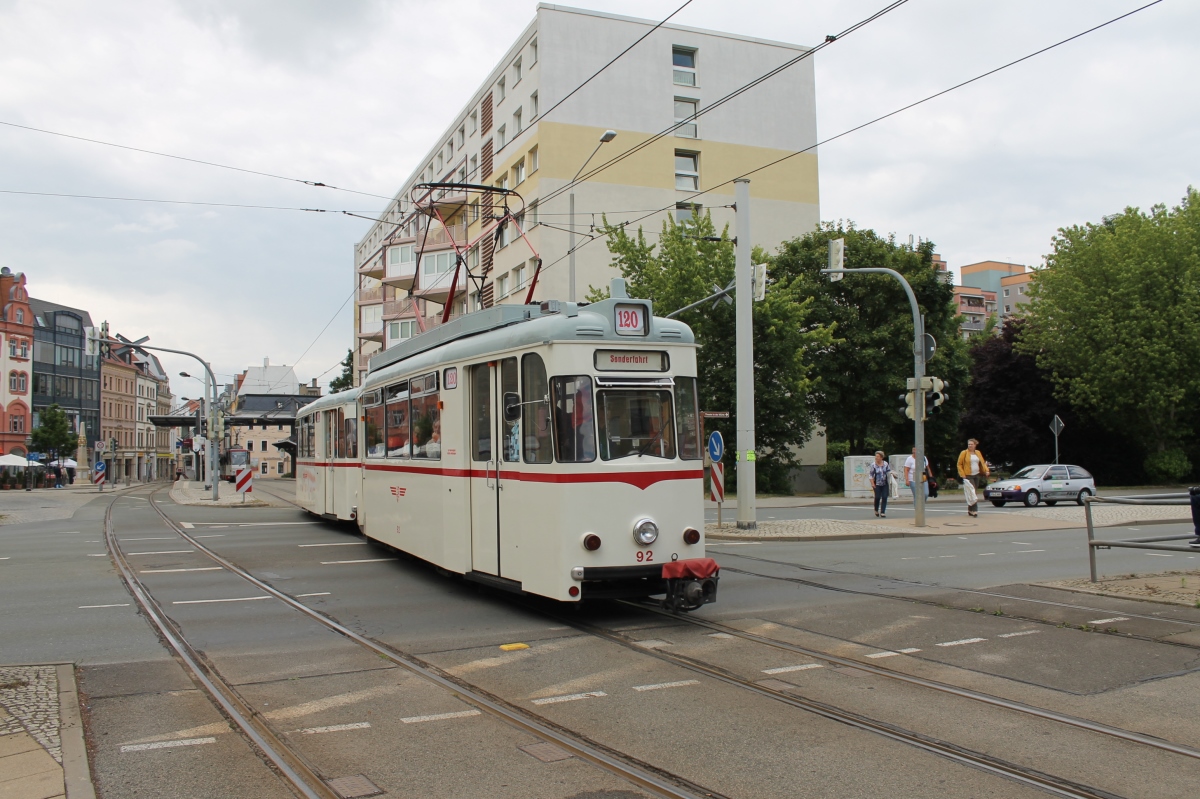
(645, 532)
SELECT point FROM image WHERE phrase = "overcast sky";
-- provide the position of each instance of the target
(353, 93)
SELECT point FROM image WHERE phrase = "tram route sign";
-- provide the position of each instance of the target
(714, 414)
(716, 446)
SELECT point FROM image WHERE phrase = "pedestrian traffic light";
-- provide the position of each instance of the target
(936, 395)
(910, 404)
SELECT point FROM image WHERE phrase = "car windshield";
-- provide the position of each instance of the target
(1030, 473)
(636, 422)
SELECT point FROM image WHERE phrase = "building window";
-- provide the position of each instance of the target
(264, 467)
(437, 264)
(518, 173)
(475, 211)
(402, 331)
(1020, 289)
(263, 448)
(685, 117)
(439, 164)
(462, 136)
(516, 68)
(1006, 292)
(532, 214)
(533, 160)
(473, 256)
(533, 106)
(474, 167)
(683, 62)
(685, 211)
(517, 123)
(449, 150)
(500, 137)
(687, 171)
(474, 122)
(16, 423)
(279, 427)
(502, 286)
(533, 52)
(1008, 309)
(249, 446)
(500, 90)
(518, 277)
(279, 468)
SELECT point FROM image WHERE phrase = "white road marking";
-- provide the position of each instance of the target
(358, 725)
(984, 554)
(462, 714)
(318, 593)
(187, 525)
(1023, 632)
(4, 558)
(245, 524)
(554, 700)
(167, 538)
(366, 560)
(328, 703)
(207, 601)
(1159, 555)
(173, 571)
(1023, 551)
(908, 651)
(909, 558)
(101, 555)
(120, 605)
(1022, 543)
(962, 641)
(653, 643)
(657, 686)
(338, 544)
(1109, 621)
(718, 635)
(71, 532)
(168, 744)
(164, 552)
(214, 535)
(785, 669)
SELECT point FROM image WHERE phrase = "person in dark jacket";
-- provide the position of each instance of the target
(1194, 493)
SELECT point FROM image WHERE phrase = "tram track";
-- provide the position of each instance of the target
(283, 757)
(965, 756)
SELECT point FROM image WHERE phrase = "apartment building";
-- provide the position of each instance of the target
(975, 306)
(987, 275)
(66, 366)
(467, 249)
(118, 416)
(1014, 293)
(16, 367)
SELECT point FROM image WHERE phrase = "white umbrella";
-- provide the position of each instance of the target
(13, 460)
(68, 463)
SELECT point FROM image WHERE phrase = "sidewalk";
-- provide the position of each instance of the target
(50, 504)
(193, 492)
(42, 752)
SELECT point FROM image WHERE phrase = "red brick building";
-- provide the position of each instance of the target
(16, 362)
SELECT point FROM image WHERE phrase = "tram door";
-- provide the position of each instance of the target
(495, 449)
(331, 437)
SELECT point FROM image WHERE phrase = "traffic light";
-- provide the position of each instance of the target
(910, 404)
(935, 395)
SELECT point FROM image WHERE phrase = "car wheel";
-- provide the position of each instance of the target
(1032, 498)
(1052, 502)
(1083, 494)
(998, 503)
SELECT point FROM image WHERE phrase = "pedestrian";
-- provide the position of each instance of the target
(973, 469)
(1194, 496)
(910, 475)
(880, 471)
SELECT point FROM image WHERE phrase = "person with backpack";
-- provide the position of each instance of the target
(880, 473)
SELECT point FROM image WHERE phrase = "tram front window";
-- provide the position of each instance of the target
(636, 422)
(239, 457)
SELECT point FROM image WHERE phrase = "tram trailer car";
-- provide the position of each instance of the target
(233, 459)
(552, 450)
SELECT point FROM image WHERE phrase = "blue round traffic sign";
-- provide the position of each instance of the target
(100, 466)
(716, 445)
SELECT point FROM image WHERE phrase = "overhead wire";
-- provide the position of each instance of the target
(876, 120)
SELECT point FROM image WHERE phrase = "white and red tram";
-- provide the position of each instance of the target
(554, 450)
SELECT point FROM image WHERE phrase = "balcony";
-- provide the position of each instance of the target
(400, 275)
(446, 201)
(372, 268)
(398, 309)
(443, 236)
(366, 296)
(435, 285)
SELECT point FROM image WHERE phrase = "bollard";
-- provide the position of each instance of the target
(1087, 513)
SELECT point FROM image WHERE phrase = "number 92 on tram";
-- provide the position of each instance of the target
(551, 449)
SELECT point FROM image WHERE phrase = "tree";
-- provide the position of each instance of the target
(1115, 320)
(53, 434)
(865, 368)
(681, 269)
(346, 379)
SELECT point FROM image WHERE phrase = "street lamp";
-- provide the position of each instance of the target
(608, 136)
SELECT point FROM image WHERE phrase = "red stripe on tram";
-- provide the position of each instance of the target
(641, 480)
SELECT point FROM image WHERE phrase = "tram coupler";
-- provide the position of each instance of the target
(690, 583)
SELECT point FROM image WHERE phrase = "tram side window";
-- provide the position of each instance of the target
(373, 411)
(426, 418)
(536, 411)
(687, 417)
(511, 431)
(301, 439)
(337, 420)
(636, 422)
(574, 426)
(397, 420)
(481, 412)
(350, 426)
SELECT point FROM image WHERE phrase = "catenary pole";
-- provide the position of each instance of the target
(744, 458)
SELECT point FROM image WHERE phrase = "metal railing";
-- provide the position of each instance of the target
(1137, 543)
(371, 295)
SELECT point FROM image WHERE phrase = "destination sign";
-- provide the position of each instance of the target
(631, 361)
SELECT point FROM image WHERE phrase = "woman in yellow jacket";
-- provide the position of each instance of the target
(973, 468)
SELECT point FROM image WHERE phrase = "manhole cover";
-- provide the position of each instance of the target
(354, 787)
(545, 752)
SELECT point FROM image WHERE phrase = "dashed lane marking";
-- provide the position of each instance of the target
(164, 552)
(718, 635)
(985, 554)
(167, 538)
(1024, 551)
(365, 560)
(118, 605)
(653, 643)
(877, 655)
(913, 558)
(99, 555)
(168, 744)
(962, 641)
(1022, 543)
(785, 669)
(187, 525)
(173, 571)
(554, 700)
(207, 601)
(1023, 632)
(1159, 555)
(461, 714)
(337, 544)
(358, 725)
(1109, 621)
(318, 593)
(214, 535)
(657, 686)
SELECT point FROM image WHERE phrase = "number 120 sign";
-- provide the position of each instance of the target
(631, 320)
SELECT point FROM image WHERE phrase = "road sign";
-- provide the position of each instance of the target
(837, 258)
(1057, 425)
(100, 446)
(33, 456)
(716, 446)
(99, 473)
(714, 414)
(244, 481)
(718, 482)
(930, 346)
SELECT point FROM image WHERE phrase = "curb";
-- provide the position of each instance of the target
(77, 775)
(1091, 592)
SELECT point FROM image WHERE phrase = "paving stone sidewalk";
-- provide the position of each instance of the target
(48, 504)
(30, 743)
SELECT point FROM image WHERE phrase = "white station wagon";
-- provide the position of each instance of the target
(1047, 483)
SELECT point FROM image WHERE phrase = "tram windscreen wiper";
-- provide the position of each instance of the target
(651, 442)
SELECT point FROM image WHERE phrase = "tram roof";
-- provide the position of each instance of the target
(504, 327)
(330, 401)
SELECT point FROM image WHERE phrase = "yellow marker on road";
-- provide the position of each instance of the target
(513, 647)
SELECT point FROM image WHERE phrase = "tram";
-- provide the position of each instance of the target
(550, 449)
(233, 459)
